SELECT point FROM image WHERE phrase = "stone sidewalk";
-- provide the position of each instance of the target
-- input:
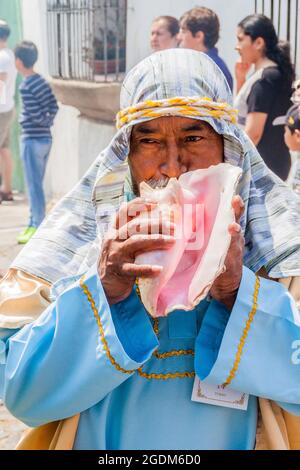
(13, 219)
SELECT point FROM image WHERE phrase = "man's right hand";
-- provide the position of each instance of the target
(131, 235)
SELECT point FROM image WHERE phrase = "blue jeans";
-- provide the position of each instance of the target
(35, 153)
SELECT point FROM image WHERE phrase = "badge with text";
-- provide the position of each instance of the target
(219, 396)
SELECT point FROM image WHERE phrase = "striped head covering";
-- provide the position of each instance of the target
(172, 82)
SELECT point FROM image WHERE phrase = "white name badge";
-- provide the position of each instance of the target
(219, 396)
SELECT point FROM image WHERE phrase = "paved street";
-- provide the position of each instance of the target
(13, 218)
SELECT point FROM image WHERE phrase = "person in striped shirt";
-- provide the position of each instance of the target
(36, 119)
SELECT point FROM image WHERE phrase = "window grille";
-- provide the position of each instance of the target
(285, 15)
(87, 39)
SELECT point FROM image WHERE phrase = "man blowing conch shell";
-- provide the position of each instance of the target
(154, 383)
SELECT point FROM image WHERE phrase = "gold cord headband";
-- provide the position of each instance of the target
(194, 106)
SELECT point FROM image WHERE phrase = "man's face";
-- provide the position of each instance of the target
(292, 140)
(188, 41)
(161, 38)
(169, 146)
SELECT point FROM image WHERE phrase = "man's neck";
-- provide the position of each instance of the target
(202, 48)
(28, 73)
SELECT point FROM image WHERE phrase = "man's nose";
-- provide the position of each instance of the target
(173, 166)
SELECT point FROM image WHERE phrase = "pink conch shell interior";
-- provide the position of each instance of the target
(199, 203)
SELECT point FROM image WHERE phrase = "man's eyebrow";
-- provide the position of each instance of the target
(194, 127)
(146, 130)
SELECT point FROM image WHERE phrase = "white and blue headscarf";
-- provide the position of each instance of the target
(173, 82)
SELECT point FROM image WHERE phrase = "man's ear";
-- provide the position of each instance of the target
(200, 36)
(297, 132)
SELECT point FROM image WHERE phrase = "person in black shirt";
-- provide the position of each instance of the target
(266, 94)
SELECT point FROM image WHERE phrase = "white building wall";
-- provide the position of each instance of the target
(35, 29)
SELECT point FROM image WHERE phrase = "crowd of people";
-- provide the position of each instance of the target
(78, 348)
(264, 76)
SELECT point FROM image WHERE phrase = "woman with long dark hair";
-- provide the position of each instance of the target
(266, 94)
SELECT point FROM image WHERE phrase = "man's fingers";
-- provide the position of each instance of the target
(235, 229)
(238, 207)
(145, 226)
(143, 243)
(135, 270)
(237, 240)
(129, 210)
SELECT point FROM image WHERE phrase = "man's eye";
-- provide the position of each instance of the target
(148, 141)
(193, 138)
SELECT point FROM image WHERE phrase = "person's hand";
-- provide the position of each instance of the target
(129, 237)
(226, 286)
(241, 70)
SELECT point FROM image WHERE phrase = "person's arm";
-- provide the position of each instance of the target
(255, 125)
(23, 298)
(3, 76)
(44, 95)
(256, 348)
(4, 67)
(40, 114)
(77, 352)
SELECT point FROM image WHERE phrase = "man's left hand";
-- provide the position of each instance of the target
(226, 286)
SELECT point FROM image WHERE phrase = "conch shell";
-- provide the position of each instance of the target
(199, 203)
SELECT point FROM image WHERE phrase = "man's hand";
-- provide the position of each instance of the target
(226, 286)
(130, 237)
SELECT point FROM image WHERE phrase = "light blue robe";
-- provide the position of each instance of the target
(84, 356)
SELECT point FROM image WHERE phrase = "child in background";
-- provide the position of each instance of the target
(39, 110)
(292, 139)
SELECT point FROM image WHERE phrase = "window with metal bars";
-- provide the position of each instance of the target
(285, 15)
(87, 39)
